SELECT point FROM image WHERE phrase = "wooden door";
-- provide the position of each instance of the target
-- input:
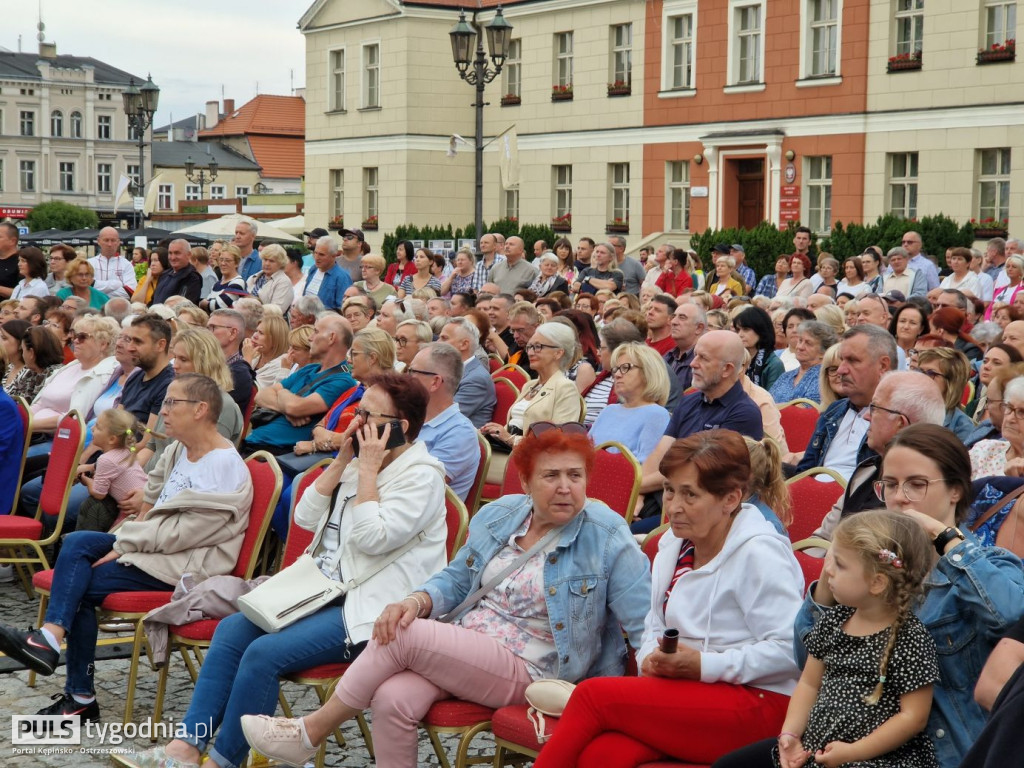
(750, 180)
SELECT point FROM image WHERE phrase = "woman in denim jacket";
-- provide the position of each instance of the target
(974, 593)
(584, 580)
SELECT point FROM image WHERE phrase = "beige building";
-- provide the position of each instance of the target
(63, 131)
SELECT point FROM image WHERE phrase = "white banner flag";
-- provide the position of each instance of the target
(508, 162)
(120, 196)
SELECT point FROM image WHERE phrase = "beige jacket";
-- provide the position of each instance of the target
(557, 401)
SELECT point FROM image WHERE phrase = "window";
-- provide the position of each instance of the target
(748, 44)
(104, 175)
(27, 170)
(165, 197)
(337, 193)
(56, 123)
(218, 192)
(562, 175)
(337, 99)
(677, 176)
(28, 123)
(103, 127)
(513, 72)
(994, 184)
(903, 184)
(371, 75)
(823, 17)
(563, 59)
(1000, 22)
(132, 131)
(370, 176)
(818, 183)
(679, 56)
(242, 193)
(76, 125)
(510, 204)
(1, 174)
(132, 172)
(192, 192)
(622, 54)
(66, 173)
(618, 179)
(909, 26)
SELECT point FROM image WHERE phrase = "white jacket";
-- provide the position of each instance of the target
(411, 491)
(737, 610)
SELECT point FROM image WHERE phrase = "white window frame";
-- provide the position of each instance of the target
(104, 178)
(371, 192)
(512, 75)
(563, 68)
(817, 182)
(165, 197)
(218, 192)
(27, 120)
(131, 130)
(510, 203)
(132, 172)
(620, 57)
(66, 176)
(57, 124)
(104, 125)
(677, 190)
(192, 192)
(999, 22)
(672, 10)
(371, 75)
(561, 192)
(809, 25)
(903, 169)
(75, 125)
(337, 79)
(736, 13)
(910, 18)
(242, 193)
(618, 192)
(337, 181)
(999, 180)
(27, 175)
(1, 174)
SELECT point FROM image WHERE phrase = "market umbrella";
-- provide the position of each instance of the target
(225, 227)
(295, 225)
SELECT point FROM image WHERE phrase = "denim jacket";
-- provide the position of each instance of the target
(598, 583)
(824, 431)
(973, 595)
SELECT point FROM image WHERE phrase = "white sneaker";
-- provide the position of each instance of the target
(280, 738)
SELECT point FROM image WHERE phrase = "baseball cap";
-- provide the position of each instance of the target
(737, 247)
(357, 232)
(317, 233)
(894, 296)
(722, 248)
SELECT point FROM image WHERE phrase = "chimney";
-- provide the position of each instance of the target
(212, 115)
(47, 50)
(229, 106)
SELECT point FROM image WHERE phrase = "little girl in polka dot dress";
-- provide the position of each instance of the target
(866, 691)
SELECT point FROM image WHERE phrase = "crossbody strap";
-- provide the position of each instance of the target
(988, 513)
(475, 597)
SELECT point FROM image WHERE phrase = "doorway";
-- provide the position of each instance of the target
(750, 188)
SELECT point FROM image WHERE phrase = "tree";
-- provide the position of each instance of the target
(60, 215)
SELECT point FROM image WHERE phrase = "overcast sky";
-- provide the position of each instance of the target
(192, 48)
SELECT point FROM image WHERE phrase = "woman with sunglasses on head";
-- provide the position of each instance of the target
(871, 261)
(545, 587)
(950, 370)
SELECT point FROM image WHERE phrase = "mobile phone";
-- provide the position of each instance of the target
(395, 439)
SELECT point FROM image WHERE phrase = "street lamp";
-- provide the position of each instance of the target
(473, 67)
(202, 178)
(140, 106)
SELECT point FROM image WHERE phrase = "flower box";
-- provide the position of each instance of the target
(617, 228)
(994, 55)
(511, 100)
(562, 223)
(904, 63)
(988, 234)
(989, 227)
(561, 93)
(619, 88)
(336, 224)
(370, 224)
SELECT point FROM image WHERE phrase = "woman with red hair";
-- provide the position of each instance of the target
(729, 585)
(562, 581)
(948, 322)
(799, 281)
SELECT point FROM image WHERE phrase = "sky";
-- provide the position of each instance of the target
(192, 48)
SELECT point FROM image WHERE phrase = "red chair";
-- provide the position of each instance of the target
(473, 499)
(494, 363)
(512, 373)
(247, 416)
(812, 499)
(653, 540)
(799, 418)
(615, 479)
(26, 429)
(507, 394)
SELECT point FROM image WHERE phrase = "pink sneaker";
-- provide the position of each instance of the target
(280, 738)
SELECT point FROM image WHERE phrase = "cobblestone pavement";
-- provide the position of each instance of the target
(16, 697)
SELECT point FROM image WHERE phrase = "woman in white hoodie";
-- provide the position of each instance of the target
(729, 584)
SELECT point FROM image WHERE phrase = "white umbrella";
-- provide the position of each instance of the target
(225, 227)
(294, 225)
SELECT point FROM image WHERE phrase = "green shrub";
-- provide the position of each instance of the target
(60, 215)
(938, 233)
(762, 245)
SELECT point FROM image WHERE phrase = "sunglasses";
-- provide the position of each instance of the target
(80, 337)
(569, 428)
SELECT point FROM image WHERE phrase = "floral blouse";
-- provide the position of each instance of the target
(988, 458)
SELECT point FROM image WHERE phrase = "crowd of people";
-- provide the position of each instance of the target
(183, 359)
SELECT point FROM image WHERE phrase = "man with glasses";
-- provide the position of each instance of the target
(301, 398)
(902, 398)
(228, 327)
(327, 281)
(409, 337)
(912, 244)
(448, 434)
(351, 255)
(523, 321)
(474, 393)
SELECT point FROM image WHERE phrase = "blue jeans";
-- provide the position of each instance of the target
(241, 670)
(29, 502)
(78, 589)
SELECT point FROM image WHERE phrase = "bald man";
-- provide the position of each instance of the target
(182, 279)
(1013, 335)
(115, 275)
(515, 272)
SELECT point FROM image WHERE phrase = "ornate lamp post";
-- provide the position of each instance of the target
(202, 179)
(474, 68)
(140, 106)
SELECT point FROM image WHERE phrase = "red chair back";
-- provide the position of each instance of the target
(25, 414)
(511, 483)
(479, 479)
(615, 479)
(799, 418)
(300, 538)
(457, 521)
(266, 490)
(248, 412)
(812, 500)
(494, 363)
(811, 566)
(507, 395)
(650, 545)
(513, 373)
(68, 441)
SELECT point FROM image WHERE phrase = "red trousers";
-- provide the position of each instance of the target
(621, 722)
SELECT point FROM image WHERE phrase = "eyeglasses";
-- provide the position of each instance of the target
(872, 408)
(569, 428)
(170, 402)
(913, 489)
(365, 415)
(624, 368)
(1008, 409)
(832, 370)
(400, 342)
(933, 375)
(80, 337)
(213, 327)
(536, 348)
(393, 300)
(422, 373)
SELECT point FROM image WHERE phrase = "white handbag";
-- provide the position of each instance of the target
(548, 696)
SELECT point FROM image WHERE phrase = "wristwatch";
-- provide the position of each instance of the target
(942, 540)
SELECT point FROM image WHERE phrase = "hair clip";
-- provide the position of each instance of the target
(888, 556)
(881, 679)
(128, 432)
(132, 449)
